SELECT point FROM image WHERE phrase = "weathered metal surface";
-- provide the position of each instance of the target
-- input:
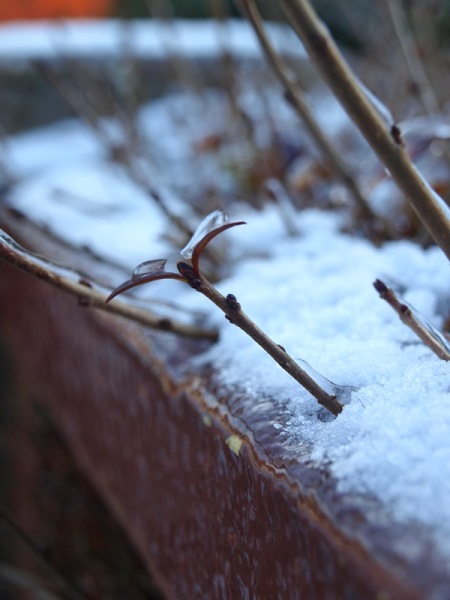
(213, 516)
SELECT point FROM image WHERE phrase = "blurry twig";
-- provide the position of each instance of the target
(136, 174)
(429, 336)
(386, 142)
(87, 293)
(411, 56)
(184, 70)
(296, 98)
(230, 67)
(6, 176)
(422, 84)
(278, 192)
(435, 58)
(124, 154)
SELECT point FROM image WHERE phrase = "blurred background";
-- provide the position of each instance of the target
(348, 19)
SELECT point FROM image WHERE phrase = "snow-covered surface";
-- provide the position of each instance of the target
(79, 186)
(149, 39)
(311, 292)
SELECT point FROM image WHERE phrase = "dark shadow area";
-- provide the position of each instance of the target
(57, 538)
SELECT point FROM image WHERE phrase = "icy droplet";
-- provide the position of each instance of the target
(443, 206)
(214, 220)
(437, 335)
(381, 108)
(341, 392)
(432, 331)
(149, 267)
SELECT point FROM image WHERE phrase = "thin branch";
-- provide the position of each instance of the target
(136, 174)
(190, 273)
(424, 31)
(185, 71)
(412, 58)
(297, 100)
(229, 67)
(384, 140)
(88, 293)
(233, 312)
(429, 336)
(415, 65)
(127, 156)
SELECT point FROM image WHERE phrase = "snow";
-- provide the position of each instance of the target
(311, 291)
(97, 193)
(146, 39)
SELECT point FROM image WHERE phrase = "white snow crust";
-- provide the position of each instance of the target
(23, 41)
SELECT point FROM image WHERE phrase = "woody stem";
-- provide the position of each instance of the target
(237, 316)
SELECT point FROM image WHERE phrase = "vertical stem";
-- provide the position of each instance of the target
(411, 57)
(386, 143)
(296, 99)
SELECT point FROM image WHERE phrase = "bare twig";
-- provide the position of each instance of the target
(429, 336)
(384, 140)
(422, 84)
(412, 58)
(213, 225)
(134, 171)
(297, 100)
(229, 67)
(88, 293)
(234, 313)
(126, 155)
(276, 189)
(424, 30)
(184, 70)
